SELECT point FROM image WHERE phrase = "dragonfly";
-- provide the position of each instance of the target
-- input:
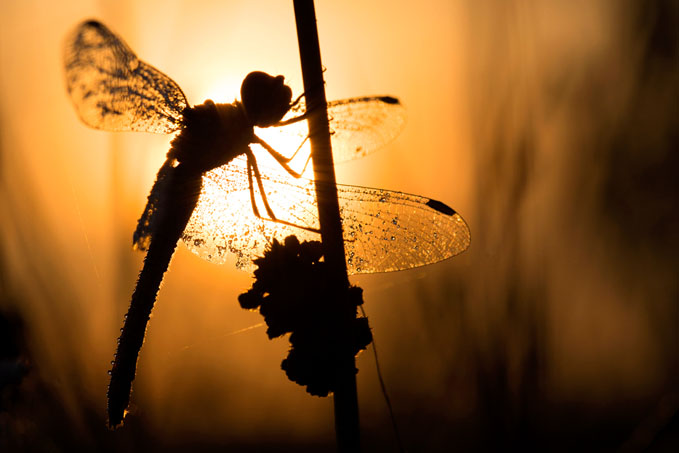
(211, 193)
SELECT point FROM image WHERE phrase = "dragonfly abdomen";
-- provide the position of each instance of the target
(174, 210)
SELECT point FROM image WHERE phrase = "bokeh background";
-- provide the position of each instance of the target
(552, 127)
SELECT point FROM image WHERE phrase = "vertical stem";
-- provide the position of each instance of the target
(345, 397)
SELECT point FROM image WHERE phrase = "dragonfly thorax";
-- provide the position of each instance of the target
(213, 135)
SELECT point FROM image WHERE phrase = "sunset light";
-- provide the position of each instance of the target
(507, 189)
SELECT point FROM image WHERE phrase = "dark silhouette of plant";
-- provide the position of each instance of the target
(291, 292)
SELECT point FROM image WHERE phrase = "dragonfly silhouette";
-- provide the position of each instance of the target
(204, 192)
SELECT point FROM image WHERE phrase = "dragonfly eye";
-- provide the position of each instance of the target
(266, 98)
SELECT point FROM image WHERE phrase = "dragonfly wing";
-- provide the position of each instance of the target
(383, 230)
(224, 221)
(359, 126)
(388, 231)
(113, 90)
(146, 225)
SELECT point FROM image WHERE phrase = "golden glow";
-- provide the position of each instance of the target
(383, 230)
(221, 88)
(224, 220)
(474, 76)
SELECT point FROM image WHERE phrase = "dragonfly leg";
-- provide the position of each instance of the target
(284, 161)
(308, 158)
(299, 98)
(281, 159)
(294, 119)
(252, 168)
(255, 210)
(297, 151)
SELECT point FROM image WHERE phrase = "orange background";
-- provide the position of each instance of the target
(548, 125)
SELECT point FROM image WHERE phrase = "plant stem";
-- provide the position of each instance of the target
(345, 397)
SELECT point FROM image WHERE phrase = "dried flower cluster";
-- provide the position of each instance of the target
(291, 292)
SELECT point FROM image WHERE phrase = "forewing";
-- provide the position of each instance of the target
(113, 90)
(383, 230)
(358, 126)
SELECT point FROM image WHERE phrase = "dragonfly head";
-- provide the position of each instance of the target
(266, 98)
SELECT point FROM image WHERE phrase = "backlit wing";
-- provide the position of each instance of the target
(113, 90)
(359, 126)
(383, 230)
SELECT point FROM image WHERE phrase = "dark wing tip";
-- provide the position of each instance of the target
(389, 100)
(441, 207)
(93, 23)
